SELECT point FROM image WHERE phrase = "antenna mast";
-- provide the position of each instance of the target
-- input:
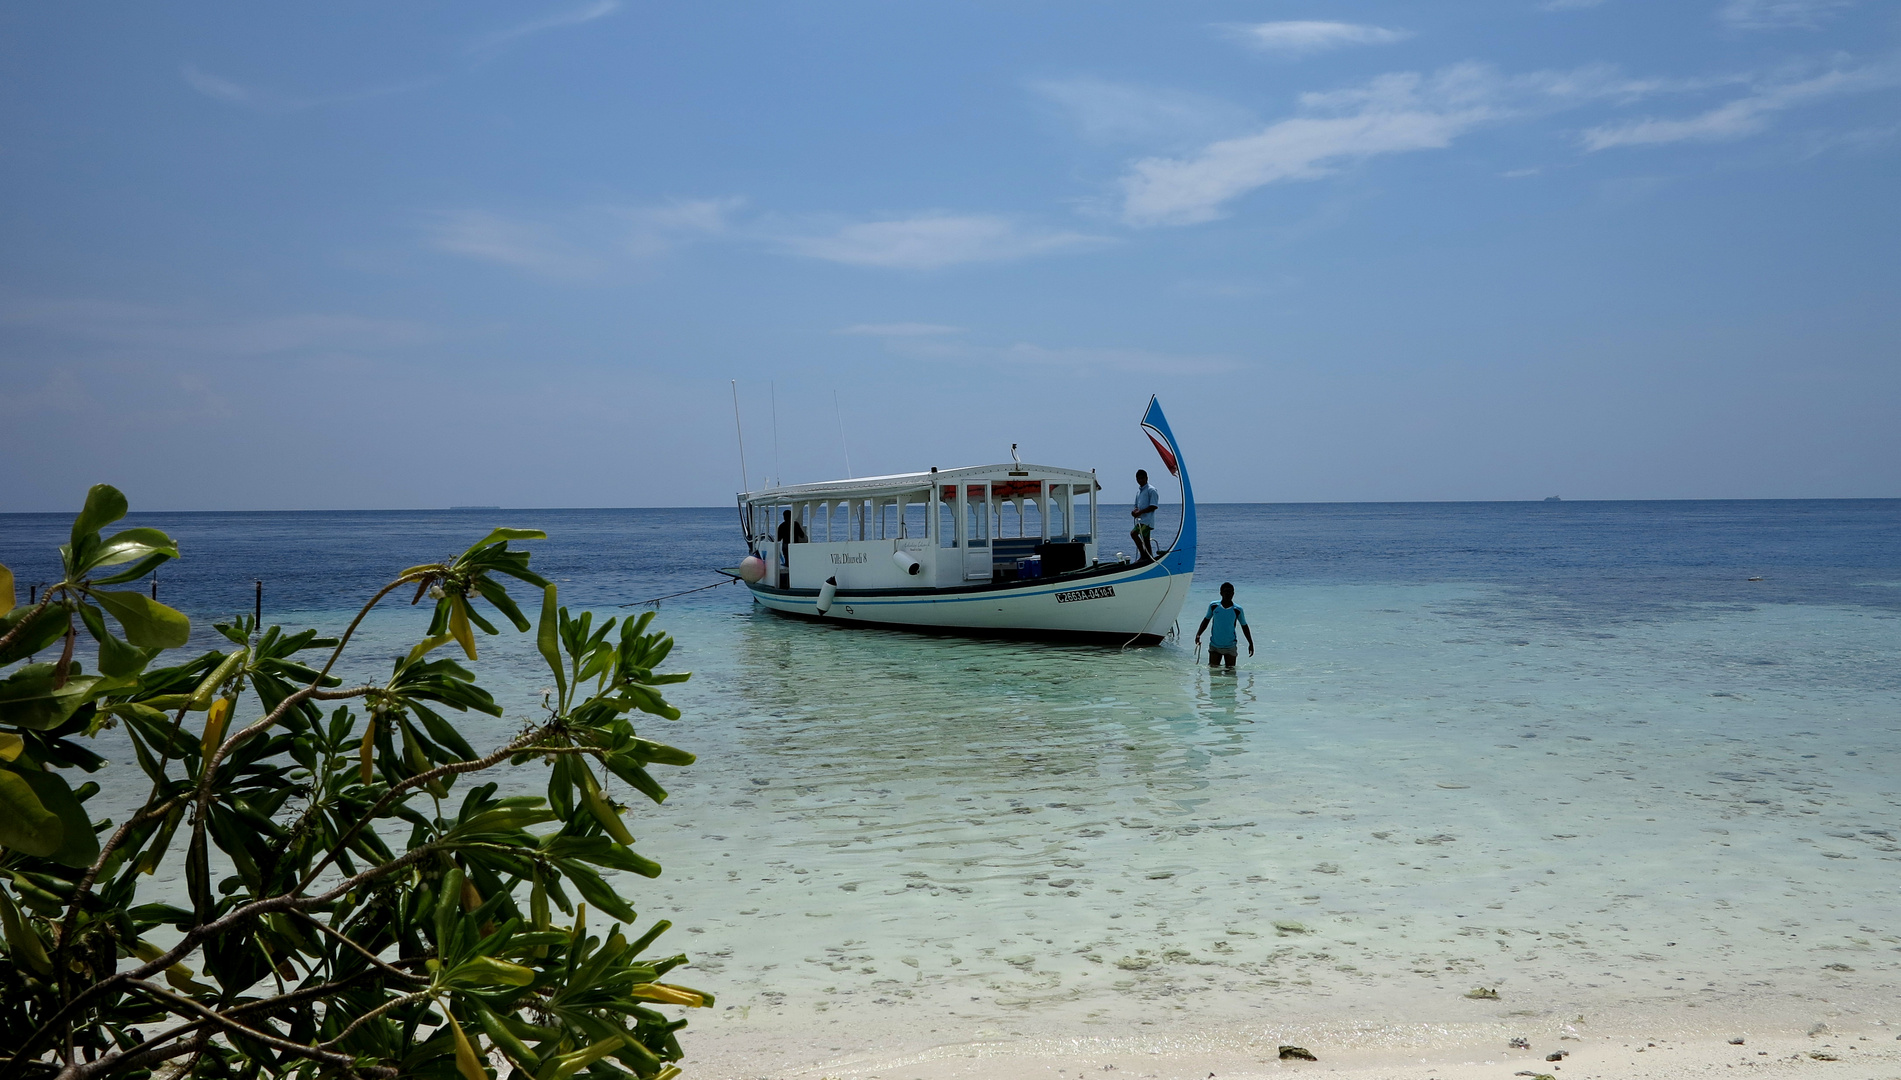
(836, 411)
(741, 433)
(777, 476)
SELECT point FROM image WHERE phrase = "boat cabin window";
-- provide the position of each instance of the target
(977, 520)
(946, 522)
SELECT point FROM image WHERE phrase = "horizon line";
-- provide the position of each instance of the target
(1201, 503)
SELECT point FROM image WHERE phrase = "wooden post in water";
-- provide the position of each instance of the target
(155, 585)
(259, 613)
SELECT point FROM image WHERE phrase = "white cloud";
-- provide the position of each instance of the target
(930, 241)
(1779, 14)
(522, 245)
(146, 328)
(585, 13)
(214, 87)
(900, 329)
(1112, 112)
(1391, 115)
(1080, 359)
(584, 242)
(219, 88)
(656, 230)
(1308, 36)
(1744, 116)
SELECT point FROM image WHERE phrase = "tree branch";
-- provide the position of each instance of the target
(509, 750)
(393, 1003)
(351, 942)
(27, 620)
(180, 1001)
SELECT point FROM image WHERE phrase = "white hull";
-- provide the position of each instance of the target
(1139, 604)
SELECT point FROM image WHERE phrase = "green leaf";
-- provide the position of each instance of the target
(595, 890)
(495, 594)
(207, 687)
(48, 626)
(148, 623)
(28, 698)
(26, 825)
(116, 658)
(104, 505)
(136, 571)
(78, 846)
(128, 546)
(548, 641)
(488, 971)
(506, 534)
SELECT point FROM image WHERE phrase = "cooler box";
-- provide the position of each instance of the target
(1031, 567)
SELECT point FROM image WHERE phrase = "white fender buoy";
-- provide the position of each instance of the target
(906, 562)
(825, 594)
(752, 569)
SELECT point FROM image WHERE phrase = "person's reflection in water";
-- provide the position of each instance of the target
(1226, 699)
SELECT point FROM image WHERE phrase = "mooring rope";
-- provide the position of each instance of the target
(684, 592)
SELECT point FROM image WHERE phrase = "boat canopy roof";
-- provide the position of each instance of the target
(900, 483)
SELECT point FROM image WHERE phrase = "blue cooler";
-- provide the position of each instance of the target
(1031, 567)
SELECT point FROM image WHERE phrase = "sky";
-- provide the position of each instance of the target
(364, 255)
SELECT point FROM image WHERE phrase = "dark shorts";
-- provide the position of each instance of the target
(1143, 530)
(1230, 654)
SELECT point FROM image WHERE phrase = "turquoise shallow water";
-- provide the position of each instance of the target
(1581, 760)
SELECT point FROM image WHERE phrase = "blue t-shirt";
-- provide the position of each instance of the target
(1222, 621)
(1147, 500)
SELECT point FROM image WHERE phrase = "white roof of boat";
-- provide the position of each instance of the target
(896, 482)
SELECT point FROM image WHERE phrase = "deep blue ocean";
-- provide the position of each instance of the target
(1581, 561)
(1637, 759)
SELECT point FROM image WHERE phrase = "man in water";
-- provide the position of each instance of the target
(1225, 616)
(1146, 500)
(790, 532)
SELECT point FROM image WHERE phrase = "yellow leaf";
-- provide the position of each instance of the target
(667, 995)
(465, 1059)
(182, 978)
(602, 810)
(7, 596)
(366, 753)
(10, 746)
(426, 646)
(568, 1064)
(459, 625)
(21, 939)
(214, 726)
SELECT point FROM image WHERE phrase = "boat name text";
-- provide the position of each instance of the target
(854, 557)
(1102, 592)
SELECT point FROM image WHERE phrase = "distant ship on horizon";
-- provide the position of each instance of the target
(1553, 498)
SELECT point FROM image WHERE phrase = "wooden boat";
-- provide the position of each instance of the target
(1003, 550)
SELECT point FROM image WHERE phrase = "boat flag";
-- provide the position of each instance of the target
(1156, 428)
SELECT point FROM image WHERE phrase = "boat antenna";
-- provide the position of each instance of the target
(777, 477)
(836, 411)
(741, 433)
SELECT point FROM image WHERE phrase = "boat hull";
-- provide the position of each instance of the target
(1134, 605)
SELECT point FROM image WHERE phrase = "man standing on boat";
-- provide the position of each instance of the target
(1226, 615)
(790, 532)
(1146, 500)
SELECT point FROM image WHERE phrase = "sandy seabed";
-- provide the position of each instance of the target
(1479, 1051)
